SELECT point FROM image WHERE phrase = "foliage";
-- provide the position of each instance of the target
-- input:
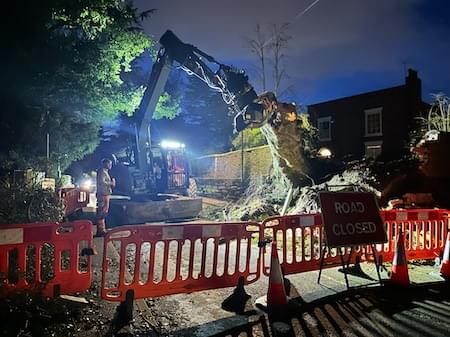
(167, 107)
(439, 113)
(24, 203)
(416, 133)
(252, 138)
(287, 143)
(66, 62)
(438, 118)
(309, 134)
(205, 118)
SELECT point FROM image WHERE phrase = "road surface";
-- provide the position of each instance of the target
(325, 309)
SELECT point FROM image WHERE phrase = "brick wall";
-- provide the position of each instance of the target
(219, 175)
(225, 189)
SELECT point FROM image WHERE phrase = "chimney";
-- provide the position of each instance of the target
(413, 85)
(412, 75)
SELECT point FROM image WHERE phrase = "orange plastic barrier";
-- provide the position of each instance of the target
(74, 199)
(45, 256)
(299, 239)
(424, 230)
(158, 260)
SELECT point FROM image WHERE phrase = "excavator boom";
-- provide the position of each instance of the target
(231, 83)
(280, 120)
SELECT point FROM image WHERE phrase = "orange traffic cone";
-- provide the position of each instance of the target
(445, 266)
(276, 295)
(399, 273)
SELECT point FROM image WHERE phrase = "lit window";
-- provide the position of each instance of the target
(373, 122)
(324, 126)
(373, 149)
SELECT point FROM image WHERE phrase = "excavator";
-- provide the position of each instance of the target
(154, 185)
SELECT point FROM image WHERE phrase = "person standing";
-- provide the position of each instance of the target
(105, 185)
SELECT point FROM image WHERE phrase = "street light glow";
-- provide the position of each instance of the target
(324, 152)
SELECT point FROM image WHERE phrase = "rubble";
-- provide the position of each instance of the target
(264, 197)
(358, 180)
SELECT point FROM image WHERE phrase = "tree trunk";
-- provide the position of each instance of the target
(284, 138)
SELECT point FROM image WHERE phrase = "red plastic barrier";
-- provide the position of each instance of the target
(425, 232)
(74, 199)
(45, 256)
(158, 260)
(299, 240)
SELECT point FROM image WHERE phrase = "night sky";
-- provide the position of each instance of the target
(339, 47)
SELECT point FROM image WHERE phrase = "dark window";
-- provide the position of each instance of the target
(324, 126)
(373, 122)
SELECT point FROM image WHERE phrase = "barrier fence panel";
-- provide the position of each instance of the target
(74, 199)
(45, 256)
(299, 241)
(158, 260)
(425, 232)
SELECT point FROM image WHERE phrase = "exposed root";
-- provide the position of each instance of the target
(265, 198)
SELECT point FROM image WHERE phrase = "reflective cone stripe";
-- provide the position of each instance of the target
(399, 273)
(445, 266)
(276, 295)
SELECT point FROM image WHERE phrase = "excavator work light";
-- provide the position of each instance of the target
(169, 144)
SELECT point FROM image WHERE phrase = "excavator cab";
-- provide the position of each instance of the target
(170, 169)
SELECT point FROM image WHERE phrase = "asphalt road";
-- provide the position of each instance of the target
(382, 311)
(420, 310)
(325, 309)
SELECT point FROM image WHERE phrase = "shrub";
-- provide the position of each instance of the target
(439, 113)
(24, 203)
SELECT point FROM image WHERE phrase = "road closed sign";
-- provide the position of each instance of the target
(351, 218)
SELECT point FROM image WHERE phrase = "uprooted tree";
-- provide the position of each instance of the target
(283, 132)
(290, 186)
(283, 129)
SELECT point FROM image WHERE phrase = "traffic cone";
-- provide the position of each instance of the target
(399, 273)
(445, 266)
(276, 295)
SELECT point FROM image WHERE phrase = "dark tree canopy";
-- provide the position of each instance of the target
(205, 114)
(63, 65)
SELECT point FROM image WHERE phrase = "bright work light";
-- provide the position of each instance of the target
(168, 144)
(86, 184)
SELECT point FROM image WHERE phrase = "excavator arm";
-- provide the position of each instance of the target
(230, 82)
(280, 121)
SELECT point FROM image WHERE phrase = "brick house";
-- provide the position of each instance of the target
(372, 123)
